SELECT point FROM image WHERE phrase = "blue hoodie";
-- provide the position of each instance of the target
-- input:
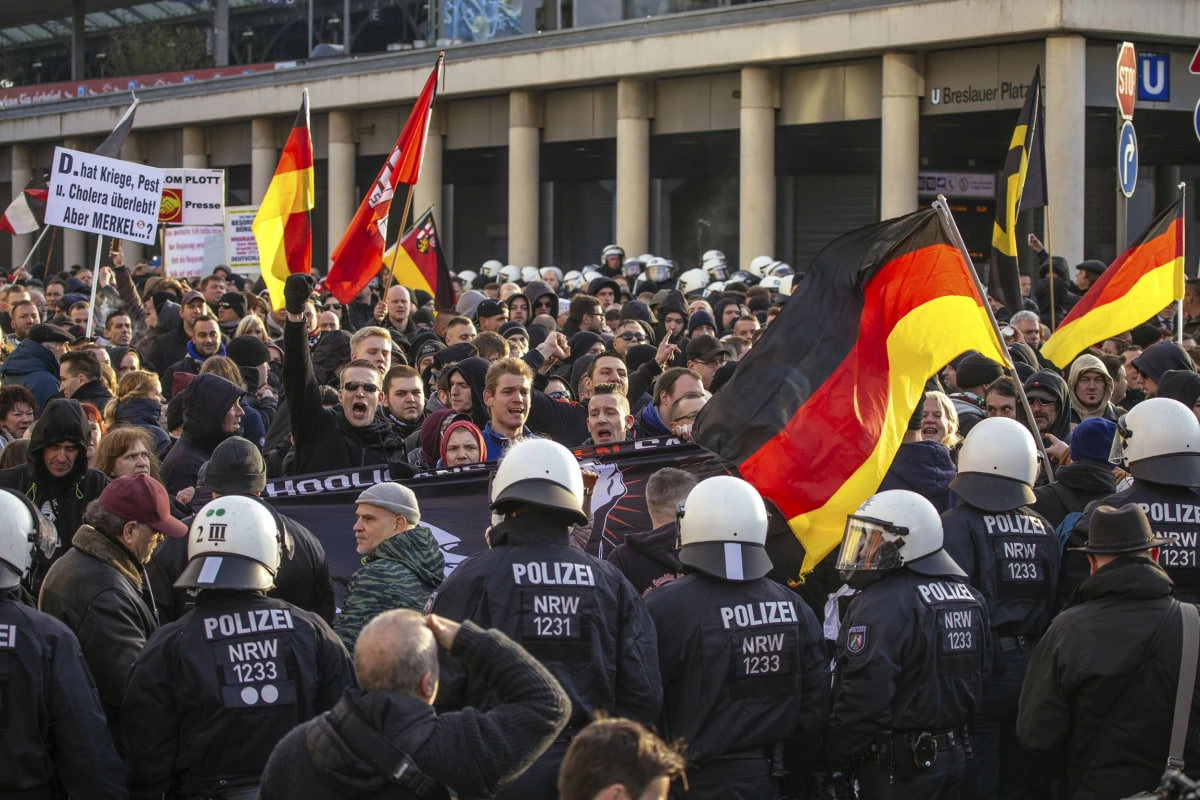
(925, 468)
(34, 367)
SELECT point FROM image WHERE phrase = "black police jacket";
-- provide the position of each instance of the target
(1012, 558)
(1174, 513)
(56, 738)
(910, 657)
(213, 692)
(743, 666)
(573, 612)
(1099, 695)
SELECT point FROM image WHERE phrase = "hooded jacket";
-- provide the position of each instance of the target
(649, 559)
(61, 500)
(1089, 363)
(925, 468)
(171, 342)
(207, 400)
(402, 572)
(33, 366)
(145, 413)
(474, 370)
(1052, 381)
(536, 289)
(1075, 485)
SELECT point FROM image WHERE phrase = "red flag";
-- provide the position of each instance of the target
(359, 255)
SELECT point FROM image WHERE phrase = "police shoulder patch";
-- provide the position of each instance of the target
(856, 639)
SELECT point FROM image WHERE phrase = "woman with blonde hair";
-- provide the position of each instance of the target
(939, 420)
(251, 325)
(139, 402)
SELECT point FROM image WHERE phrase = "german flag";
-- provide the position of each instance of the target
(1144, 280)
(281, 226)
(420, 263)
(1024, 184)
(815, 413)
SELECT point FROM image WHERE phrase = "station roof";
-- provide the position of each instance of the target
(25, 23)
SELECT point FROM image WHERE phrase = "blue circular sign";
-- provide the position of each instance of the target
(1127, 159)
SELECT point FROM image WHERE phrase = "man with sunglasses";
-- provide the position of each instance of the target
(352, 433)
(629, 333)
(706, 354)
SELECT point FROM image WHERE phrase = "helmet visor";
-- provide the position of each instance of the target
(870, 544)
(781, 270)
(1116, 454)
(658, 272)
(632, 269)
(718, 271)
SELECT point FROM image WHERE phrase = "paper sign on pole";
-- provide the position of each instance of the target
(191, 251)
(193, 197)
(102, 195)
(240, 245)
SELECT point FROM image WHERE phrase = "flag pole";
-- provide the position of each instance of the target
(1183, 234)
(1050, 264)
(387, 278)
(95, 283)
(49, 255)
(36, 242)
(951, 229)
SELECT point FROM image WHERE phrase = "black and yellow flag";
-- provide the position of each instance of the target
(1023, 185)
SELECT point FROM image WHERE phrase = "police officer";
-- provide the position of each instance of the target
(1158, 442)
(213, 692)
(576, 614)
(1010, 554)
(743, 660)
(55, 732)
(910, 657)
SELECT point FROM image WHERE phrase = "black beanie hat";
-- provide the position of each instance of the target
(236, 467)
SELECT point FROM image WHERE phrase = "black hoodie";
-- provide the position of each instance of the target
(649, 559)
(207, 400)
(61, 500)
(1048, 379)
(474, 370)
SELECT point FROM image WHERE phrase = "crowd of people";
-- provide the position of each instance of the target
(997, 623)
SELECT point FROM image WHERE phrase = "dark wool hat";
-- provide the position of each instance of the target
(701, 317)
(160, 299)
(1117, 531)
(1144, 335)
(636, 309)
(420, 297)
(233, 300)
(510, 328)
(247, 351)
(1092, 439)
(454, 353)
(977, 370)
(236, 467)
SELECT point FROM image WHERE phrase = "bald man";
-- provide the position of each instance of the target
(469, 752)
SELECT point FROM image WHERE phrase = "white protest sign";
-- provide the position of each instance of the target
(190, 251)
(193, 197)
(240, 244)
(102, 195)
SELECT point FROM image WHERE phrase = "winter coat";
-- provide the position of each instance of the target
(171, 342)
(94, 392)
(1099, 695)
(33, 366)
(60, 500)
(402, 572)
(145, 413)
(925, 468)
(207, 400)
(470, 751)
(102, 594)
(1075, 485)
(649, 559)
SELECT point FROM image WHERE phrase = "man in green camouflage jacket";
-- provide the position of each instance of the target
(402, 563)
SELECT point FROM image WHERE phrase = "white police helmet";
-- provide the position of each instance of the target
(997, 465)
(723, 529)
(771, 283)
(23, 531)
(779, 269)
(490, 268)
(895, 529)
(658, 269)
(631, 268)
(1159, 441)
(573, 280)
(235, 542)
(785, 285)
(530, 274)
(694, 280)
(612, 250)
(468, 277)
(758, 265)
(510, 274)
(542, 473)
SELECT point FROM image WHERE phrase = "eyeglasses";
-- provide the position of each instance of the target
(716, 361)
(595, 313)
(632, 337)
(354, 386)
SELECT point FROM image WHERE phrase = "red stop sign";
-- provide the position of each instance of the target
(1126, 80)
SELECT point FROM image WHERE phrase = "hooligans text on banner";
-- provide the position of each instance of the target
(282, 227)
(420, 264)
(358, 256)
(1144, 280)
(1024, 186)
(815, 413)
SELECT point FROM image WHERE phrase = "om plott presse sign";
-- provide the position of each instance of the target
(102, 195)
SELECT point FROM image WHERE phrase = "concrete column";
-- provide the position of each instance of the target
(78, 49)
(74, 243)
(130, 151)
(341, 200)
(22, 172)
(900, 133)
(221, 32)
(633, 165)
(263, 158)
(524, 143)
(756, 192)
(195, 152)
(1066, 61)
(428, 191)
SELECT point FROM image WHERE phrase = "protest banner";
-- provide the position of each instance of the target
(191, 251)
(105, 196)
(193, 197)
(241, 248)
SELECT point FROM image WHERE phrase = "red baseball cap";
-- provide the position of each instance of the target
(142, 499)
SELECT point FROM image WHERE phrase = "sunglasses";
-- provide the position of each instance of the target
(542, 304)
(332, 306)
(354, 386)
(559, 395)
(633, 337)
